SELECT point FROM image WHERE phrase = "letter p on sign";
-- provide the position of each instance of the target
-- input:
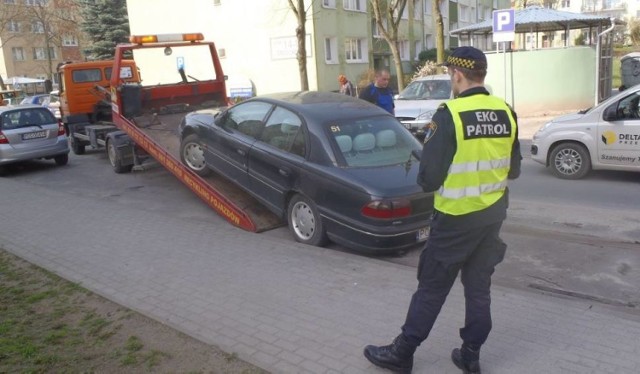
(504, 25)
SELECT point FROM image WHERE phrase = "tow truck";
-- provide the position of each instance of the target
(146, 115)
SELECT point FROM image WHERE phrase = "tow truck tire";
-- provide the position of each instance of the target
(76, 146)
(115, 160)
(61, 160)
(192, 155)
(305, 222)
(570, 161)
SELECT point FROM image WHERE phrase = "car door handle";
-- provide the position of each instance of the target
(284, 172)
(241, 152)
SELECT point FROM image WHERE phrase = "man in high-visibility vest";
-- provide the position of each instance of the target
(470, 150)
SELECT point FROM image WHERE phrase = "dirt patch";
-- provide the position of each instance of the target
(48, 324)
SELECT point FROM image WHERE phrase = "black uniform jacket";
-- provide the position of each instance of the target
(437, 155)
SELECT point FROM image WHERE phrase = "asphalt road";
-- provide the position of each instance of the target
(554, 246)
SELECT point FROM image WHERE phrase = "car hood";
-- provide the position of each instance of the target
(568, 118)
(387, 181)
(413, 108)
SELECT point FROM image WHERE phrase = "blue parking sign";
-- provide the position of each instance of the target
(180, 62)
(504, 20)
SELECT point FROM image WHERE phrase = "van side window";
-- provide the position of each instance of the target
(86, 75)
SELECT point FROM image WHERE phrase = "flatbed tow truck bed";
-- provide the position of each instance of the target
(162, 130)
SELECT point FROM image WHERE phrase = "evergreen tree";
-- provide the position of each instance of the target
(107, 24)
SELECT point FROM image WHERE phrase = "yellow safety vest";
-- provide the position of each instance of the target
(477, 178)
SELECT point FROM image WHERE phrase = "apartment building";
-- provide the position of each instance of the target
(256, 39)
(35, 36)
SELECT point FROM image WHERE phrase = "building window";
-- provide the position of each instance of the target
(18, 53)
(376, 30)
(39, 53)
(329, 3)
(36, 2)
(69, 40)
(417, 9)
(565, 4)
(355, 50)
(13, 26)
(359, 5)
(428, 40)
(37, 27)
(403, 50)
(222, 53)
(330, 50)
(418, 45)
(217, 2)
(428, 7)
(464, 13)
(9, 1)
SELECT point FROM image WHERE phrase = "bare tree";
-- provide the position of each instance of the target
(9, 19)
(388, 14)
(300, 11)
(439, 25)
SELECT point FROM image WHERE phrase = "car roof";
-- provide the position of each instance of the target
(8, 108)
(323, 106)
(433, 77)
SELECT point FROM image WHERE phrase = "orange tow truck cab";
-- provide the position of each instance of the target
(84, 89)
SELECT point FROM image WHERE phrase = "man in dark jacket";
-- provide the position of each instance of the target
(379, 92)
(470, 150)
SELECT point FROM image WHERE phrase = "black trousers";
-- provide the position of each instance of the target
(473, 252)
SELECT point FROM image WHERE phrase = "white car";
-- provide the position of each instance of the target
(606, 136)
(417, 103)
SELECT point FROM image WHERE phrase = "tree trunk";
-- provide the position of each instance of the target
(439, 26)
(398, 63)
(3, 86)
(301, 35)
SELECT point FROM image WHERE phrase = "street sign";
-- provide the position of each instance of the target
(504, 25)
(180, 62)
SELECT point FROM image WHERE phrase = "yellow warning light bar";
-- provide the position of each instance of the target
(162, 38)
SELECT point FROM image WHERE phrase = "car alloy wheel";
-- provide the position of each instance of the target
(570, 161)
(192, 155)
(305, 223)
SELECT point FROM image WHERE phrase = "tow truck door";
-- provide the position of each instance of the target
(619, 139)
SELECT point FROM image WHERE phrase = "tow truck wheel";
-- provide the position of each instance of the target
(305, 222)
(115, 160)
(76, 146)
(570, 161)
(192, 155)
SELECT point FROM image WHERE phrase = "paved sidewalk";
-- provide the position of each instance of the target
(290, 308)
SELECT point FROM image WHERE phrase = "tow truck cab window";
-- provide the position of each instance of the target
(86, 75)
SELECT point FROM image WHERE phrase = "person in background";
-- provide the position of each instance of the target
(470, 150)
(378, 92)
(346, 87)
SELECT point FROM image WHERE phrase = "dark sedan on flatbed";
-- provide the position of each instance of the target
(337, 168)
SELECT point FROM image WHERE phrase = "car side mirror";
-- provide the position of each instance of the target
(610, 113)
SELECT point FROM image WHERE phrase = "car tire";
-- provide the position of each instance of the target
(192, 155)
(570, 161)
(61, 160)
(76, 146)
(115, 160)
(305, 222)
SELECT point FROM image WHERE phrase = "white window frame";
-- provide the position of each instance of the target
(355, 5)
(565, 4)
(18, 53)
(376, 30)
(404, 50)
(356, 50)
(69, 40)
(330, 4)
(39, 53)
(331, 50)
(463, 13)
(13, 26)
(37, 27)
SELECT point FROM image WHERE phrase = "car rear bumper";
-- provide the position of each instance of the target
(8, 154)
(375, 238)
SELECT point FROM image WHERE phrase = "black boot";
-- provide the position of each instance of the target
(464, 363)
(397, 357)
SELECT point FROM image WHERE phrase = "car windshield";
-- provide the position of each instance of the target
(427, 90)
(373, 141)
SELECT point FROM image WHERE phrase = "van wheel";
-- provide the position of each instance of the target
(192, 155)
(61, 160)
(570, 161)
(115, 160)
(76, 146)
(305, 222)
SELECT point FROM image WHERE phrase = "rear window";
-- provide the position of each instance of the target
(374, 141)
(27, 117)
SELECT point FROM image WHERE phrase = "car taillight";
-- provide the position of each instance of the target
(387, 209)
(3, 139)
(60, 128)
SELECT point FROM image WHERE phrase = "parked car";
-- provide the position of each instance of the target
(52, 102)
(417, 103)
(28, 132)
(35, 99)
(606, 136)
(337, 168)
